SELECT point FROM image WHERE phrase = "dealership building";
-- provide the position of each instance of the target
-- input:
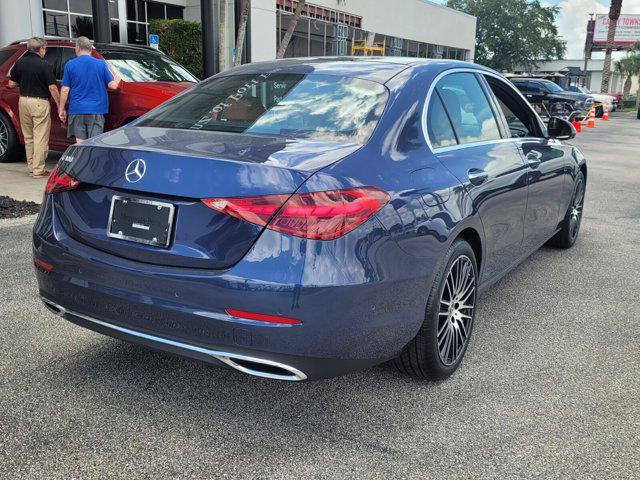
(415, 28)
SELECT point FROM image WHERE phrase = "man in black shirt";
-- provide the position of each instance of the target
(37, 83)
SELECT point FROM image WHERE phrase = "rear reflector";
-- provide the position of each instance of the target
(60, 182)
(41, 264)
(263, 318)
(317, 215)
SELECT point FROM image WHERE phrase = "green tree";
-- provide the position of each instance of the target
(513, 33)
(182, 41)
(627, 69)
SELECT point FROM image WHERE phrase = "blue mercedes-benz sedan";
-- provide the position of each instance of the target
(306, 218)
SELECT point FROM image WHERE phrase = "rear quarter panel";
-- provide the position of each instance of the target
(428, 205)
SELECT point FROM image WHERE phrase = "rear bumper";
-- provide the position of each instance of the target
(251, 365)
(358, 301)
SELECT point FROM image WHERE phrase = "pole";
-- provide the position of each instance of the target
(209, 20)
(101, 22)
(588, 47)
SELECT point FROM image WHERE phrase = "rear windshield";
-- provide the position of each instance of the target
(318, 107)
(134, 66)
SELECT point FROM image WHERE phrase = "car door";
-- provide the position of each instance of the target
(489, 166)
(547, 160)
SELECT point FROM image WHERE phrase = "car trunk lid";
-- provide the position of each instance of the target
(180, 168)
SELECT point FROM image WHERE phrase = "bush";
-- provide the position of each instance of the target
(182, 41)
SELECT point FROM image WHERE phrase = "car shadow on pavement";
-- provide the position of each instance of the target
(128, 384)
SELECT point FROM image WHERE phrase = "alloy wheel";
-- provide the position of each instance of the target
(576, 210)
(457, 303)
(4, 138)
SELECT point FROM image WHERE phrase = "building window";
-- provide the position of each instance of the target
(320, 13)
(141, 12)
(325, 32)
(73, 18)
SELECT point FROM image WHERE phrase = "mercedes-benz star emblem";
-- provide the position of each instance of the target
(135, 170)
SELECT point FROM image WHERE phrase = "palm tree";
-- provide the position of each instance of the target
(222, 36)
(626, 69)
(614, 15)
(242, 31)
(292, 27)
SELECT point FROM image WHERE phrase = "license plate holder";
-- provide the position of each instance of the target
(141, 221)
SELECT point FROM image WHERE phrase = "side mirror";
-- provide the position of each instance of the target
(560, 129)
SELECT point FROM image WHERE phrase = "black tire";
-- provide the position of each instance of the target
(10, 148)
(599, 112)
(568, 234)
(422, 358)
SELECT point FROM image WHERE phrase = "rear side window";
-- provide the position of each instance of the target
(438, 125)
(317, 107)
(468, 108)
(5, 55)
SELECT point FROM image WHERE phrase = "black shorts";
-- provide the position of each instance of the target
(85, 125)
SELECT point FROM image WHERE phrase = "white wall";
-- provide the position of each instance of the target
(416, 20)
(263, 30)
(20, 19)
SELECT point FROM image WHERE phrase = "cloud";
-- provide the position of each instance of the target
(573, 17)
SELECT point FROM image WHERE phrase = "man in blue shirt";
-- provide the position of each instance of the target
(85, 82)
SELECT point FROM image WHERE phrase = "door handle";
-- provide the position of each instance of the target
(534, 158)
(477, 176)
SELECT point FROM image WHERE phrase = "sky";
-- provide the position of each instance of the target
(572, 20)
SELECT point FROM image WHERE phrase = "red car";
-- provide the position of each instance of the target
(148, 78)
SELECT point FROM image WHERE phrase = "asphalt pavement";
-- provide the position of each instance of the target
(550, 387)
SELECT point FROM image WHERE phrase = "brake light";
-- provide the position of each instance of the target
(317, 215)
(41, 264)
(60, 182)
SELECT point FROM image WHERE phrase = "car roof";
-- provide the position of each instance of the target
(70, 42)
(378, 69)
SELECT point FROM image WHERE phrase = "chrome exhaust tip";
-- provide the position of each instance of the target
(262, 368)
(258, 367)
(53, 307)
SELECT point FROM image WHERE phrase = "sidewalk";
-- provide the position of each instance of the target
(16, 183)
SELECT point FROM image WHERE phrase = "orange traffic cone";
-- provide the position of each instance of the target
(605, 115)
(592, 119)
(577, 125)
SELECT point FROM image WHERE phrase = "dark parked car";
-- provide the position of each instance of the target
(149, 78)
(557, 100)
(306, 218)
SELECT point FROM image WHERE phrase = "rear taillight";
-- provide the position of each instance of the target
(60, 182)
(317, 215)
